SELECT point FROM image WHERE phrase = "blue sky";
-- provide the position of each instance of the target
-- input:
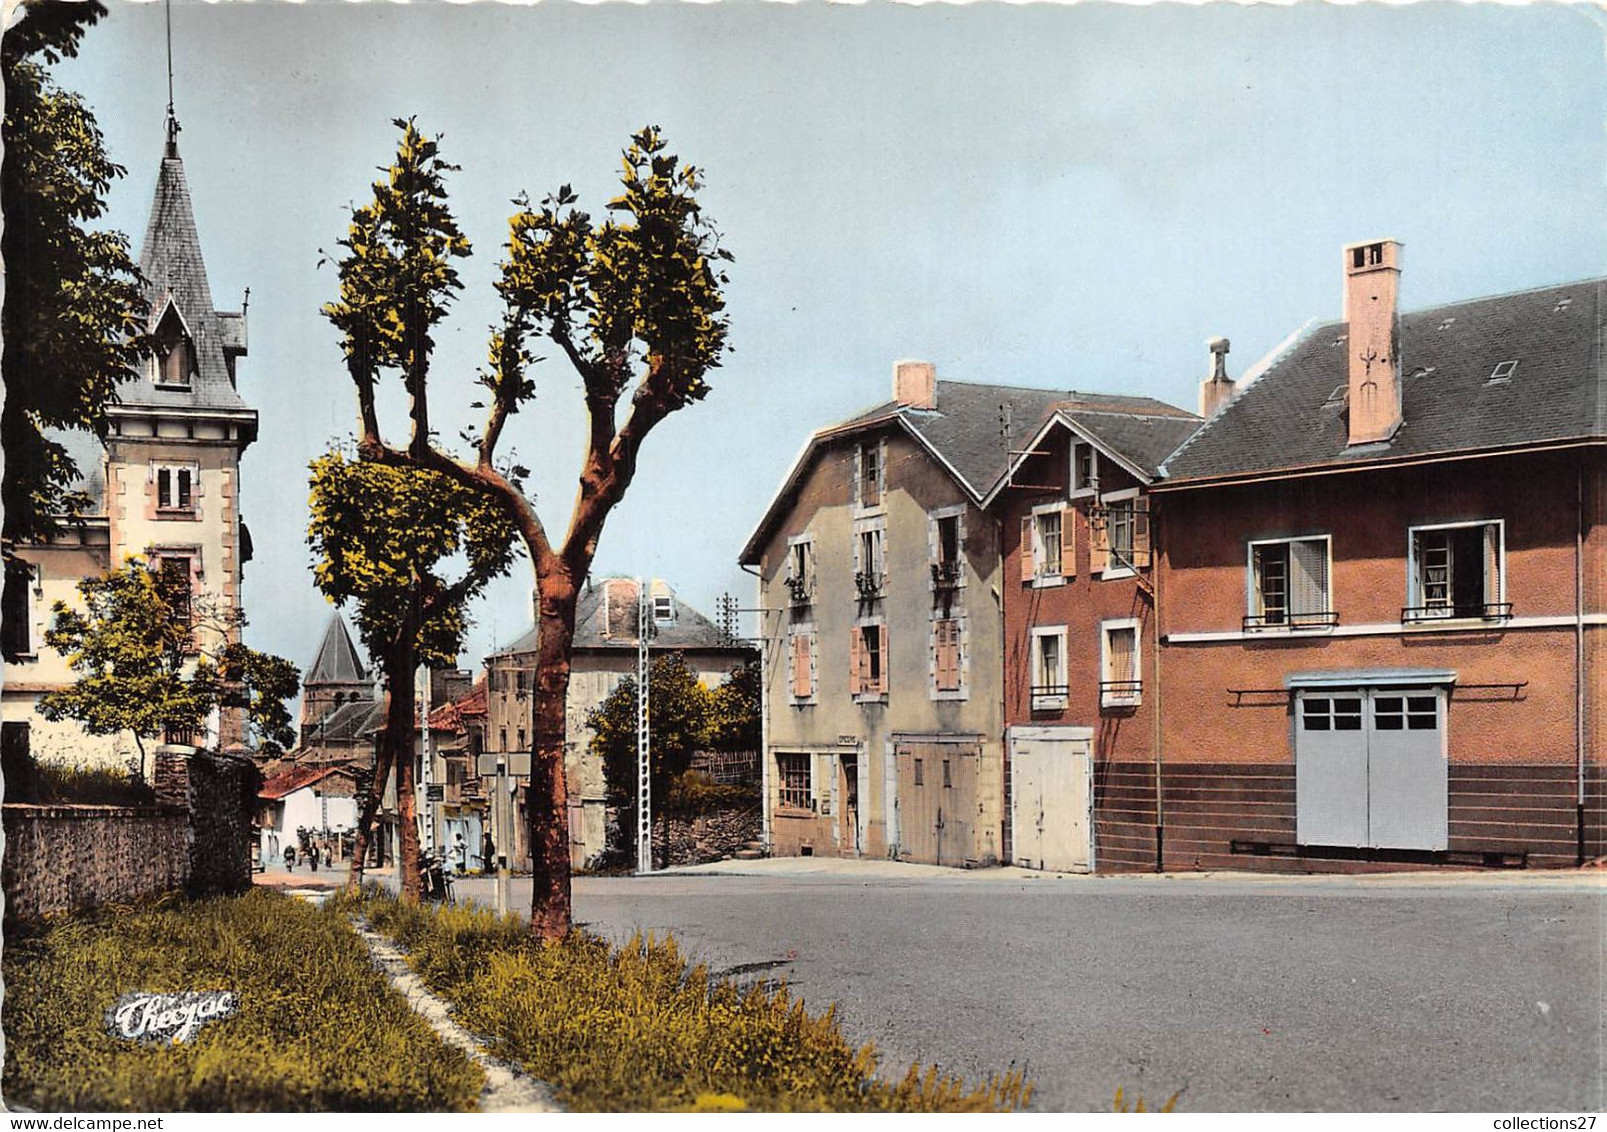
(1059, 196)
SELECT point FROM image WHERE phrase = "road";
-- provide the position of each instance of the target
(1243, 993)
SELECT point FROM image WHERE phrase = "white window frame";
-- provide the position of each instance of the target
(1250, 609)
(1048, 701)
(807, 542)
(1041, 579)
(1112, 570)
(860, 506)
(935, 543)
(1107, 697)
(1414, 595)
(666, 602)
(877, 525)
(1081, 489)
(173, 470)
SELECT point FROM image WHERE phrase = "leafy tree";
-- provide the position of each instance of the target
(261, 684)
(679, 711)
(140, 669)
(382, 537)
(73, 316)
(634, 306)
(734, 723)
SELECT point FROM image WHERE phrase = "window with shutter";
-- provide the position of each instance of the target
(175, 488)
(1068, 542)
(856, 663)
(876, 659)
(1289, 585)
(1029, 564)
(947, 666)
(1120, 685)
(802, 683)
(1456, 572)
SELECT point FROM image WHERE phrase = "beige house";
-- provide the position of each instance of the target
(605, 652)
(880, 581)
(163, 487)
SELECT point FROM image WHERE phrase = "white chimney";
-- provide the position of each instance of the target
(1216, 390)
(915, 384)
(1372, 345)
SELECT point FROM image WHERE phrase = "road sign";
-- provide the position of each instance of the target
(435, 792)
(518, 763)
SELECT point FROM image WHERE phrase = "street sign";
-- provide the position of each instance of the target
(435, 793)
(518, 763)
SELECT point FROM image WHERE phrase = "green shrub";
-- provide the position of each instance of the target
(695, 793)
(639, 1029)
(47, 783)
(318, 1026)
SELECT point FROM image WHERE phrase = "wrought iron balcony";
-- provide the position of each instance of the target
(1285, 619)
(1049, 697)
(799, 588)
(1120, 693)
(945, 575)
(869, 586)
(1472, 611)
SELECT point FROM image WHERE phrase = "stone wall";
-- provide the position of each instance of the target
(707, 837)
(68, 858)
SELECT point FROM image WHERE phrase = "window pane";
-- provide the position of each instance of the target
(1347, 714)
(1314, 714)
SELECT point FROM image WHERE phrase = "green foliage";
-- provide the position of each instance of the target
(734, 723)
(696, 793)
(678, 707)
(73, 316)
(318, 1027)
(641, 1029)
(28, 780)
(381, 534)
(139, 668)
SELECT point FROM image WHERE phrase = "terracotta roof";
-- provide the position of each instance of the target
(298, 778)
(1293, 415)
(451, 716)
(336, 661)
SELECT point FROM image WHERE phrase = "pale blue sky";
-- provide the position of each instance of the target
(1072, 197)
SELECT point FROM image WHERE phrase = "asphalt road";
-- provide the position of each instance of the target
(1328, 994)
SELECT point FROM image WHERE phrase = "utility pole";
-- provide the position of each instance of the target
(644, 742)
(499, 809)
(426, 778)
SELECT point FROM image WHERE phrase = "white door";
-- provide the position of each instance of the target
(1051, 799)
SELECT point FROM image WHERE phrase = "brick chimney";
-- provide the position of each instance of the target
(1216, 390)
(915, 384)
(1372, 285)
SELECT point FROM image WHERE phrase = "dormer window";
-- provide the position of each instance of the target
(663, 609)
(175, 350)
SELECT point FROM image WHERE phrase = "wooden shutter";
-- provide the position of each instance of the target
(856, 661)
(1029, 567)
(1068, 542)
(1141, 539)
(881, 677)
(164, 480)
(184, 488)
(948, 656)
(1308, 577)
(800, 667)
(1099, 546)
(1492, 564)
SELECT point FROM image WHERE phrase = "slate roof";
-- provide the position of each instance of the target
(606, 618)
(1144, 440)
(1292, 416)
(336, 661)
(89, 454)
(964, 432)
(170, 260)
(347, 723)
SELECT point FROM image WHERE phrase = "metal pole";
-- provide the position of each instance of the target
(499, 809)
(427, 778)
(644, 778)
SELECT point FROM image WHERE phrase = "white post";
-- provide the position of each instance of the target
(427, 811)
(644, 778)
(499, 810)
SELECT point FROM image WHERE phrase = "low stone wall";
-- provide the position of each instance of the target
(68, 858)
(219, 793)
(708, 837)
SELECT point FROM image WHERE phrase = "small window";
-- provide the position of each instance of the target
(1084, 468)
(948, 779)
(920, 776)
(663, 609)
(1120, 684)
(1331, 713)
(1502, 373)
(18, 615)
(1120, 519)
(872, 636)
(794, 768)
(175, 488)
(803, 667)
(1289, 585)
(1456, 572)
(1049, 687)
(870, 474)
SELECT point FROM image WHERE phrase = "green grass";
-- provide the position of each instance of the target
(47, 783)
(641, 1029)
(318, 1027)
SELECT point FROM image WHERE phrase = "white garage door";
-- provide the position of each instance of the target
(1370, 768)
(1051, 798)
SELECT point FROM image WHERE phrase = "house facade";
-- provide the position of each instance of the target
(163, 486)
(1081, 701)
(1383, 580)
(880, 584)
(607, 620)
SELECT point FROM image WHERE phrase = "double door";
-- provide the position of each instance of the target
(1370, 768)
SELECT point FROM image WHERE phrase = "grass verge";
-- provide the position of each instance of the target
(318, 1027)
(641, 1029)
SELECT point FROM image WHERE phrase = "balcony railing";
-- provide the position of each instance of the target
(1049, 696)
(799, 589)
(868, 585)
(1120, 693)
(945, 575)
(1284, 619)
(1475, 611)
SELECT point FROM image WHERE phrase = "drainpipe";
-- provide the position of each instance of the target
(1579, 666)
(764, 708)
(1155, 634)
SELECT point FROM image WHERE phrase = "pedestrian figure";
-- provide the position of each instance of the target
(290, 858)
(460, 850)
(312, 858)
(488, 852)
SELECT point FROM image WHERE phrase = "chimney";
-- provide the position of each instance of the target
(915, 385)
(1216, 390)
(1372, 345)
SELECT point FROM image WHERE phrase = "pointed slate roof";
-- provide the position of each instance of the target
(171, 262)
(337, 661)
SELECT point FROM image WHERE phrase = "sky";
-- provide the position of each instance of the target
(1072, 197)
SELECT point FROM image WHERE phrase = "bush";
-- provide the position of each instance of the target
(695, 793)
(318, 1026)
(639, 1029)
(45, 783)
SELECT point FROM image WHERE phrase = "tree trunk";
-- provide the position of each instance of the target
(550, 915)
(399, 728)
(368, 818)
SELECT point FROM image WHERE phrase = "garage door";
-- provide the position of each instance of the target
(1370, 768)
(937, 800)
(1051, 796)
